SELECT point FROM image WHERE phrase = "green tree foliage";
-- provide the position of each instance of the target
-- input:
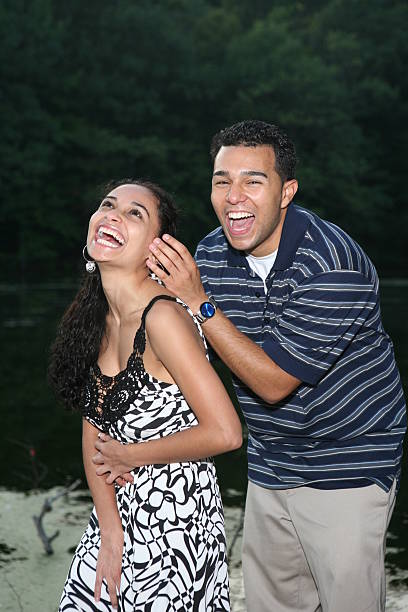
(92, 91)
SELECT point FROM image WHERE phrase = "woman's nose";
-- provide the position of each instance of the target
(113, 215)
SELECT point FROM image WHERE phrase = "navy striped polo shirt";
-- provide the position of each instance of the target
(320, 321)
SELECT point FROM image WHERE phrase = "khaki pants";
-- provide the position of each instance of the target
(314, 550)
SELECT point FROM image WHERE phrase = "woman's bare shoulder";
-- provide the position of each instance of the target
(171, 320)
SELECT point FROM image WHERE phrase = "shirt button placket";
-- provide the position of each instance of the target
(266, 319)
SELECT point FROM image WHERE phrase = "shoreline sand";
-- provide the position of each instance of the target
(31, 581)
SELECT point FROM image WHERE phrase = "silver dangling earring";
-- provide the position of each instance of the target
(90, 265)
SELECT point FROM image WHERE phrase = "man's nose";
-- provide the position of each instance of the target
(235, 195)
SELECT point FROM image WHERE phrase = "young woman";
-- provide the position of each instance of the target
(133, 360)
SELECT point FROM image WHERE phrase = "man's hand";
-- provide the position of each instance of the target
(180, 274)
(112, 457)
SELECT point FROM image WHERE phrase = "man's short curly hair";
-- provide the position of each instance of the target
(253, 133)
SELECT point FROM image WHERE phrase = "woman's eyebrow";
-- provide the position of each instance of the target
(141, 206)
(111, 197)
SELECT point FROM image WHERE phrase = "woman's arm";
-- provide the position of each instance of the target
(109, 563)
(176, 343)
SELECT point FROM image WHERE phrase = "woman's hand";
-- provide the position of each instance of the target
(109, 566)
(112, 457)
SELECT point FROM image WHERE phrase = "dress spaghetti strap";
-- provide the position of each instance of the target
(153, 301)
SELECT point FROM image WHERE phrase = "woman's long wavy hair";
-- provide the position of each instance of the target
(80, 332)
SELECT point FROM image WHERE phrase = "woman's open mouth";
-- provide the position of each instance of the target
(109, 237)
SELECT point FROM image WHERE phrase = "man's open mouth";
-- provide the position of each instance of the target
(239, 222)
(107, 236)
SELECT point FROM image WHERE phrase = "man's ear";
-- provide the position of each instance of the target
(289, 190)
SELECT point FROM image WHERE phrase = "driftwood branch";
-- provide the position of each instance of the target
(47, 507)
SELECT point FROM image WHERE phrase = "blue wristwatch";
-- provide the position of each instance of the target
(206, 311)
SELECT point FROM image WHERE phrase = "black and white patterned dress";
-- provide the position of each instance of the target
(174, 554)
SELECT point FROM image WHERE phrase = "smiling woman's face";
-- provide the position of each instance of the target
(122, 228)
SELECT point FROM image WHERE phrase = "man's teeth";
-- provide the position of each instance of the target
(239, 215)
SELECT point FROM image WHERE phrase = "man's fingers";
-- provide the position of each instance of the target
(104, 437)
(165, 255)
(177, 246)
(97, 459)
(157, 270)
(124, 479)
(111, 478)
(173, 249)
(102, 469)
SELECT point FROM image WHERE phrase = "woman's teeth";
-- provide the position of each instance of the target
(107, 231)
(104, 242)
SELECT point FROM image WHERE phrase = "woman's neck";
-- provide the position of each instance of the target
(125, 292)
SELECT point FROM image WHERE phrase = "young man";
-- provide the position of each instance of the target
(290, 303)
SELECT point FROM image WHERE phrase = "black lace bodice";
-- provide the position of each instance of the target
(107, 398)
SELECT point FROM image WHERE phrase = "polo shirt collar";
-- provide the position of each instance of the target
(293, 232)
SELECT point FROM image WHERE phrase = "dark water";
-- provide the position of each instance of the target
(41, 443)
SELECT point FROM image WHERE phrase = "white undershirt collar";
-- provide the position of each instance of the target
(262, 265)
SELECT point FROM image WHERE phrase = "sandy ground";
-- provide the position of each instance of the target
(31, 581)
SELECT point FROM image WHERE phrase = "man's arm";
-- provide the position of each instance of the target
(244, 358)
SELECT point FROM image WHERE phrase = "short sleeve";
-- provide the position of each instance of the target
(199, 257)
(323, 316)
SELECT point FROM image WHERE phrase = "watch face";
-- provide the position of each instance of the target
(207, 310)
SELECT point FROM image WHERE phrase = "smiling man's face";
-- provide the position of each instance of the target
(249, 198)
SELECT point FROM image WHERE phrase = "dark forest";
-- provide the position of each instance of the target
(92, 91)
